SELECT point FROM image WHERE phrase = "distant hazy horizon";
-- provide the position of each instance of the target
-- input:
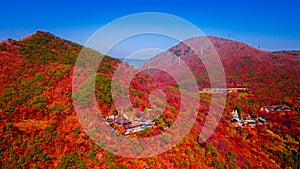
(136, 63)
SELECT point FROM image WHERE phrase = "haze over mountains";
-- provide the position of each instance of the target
(39, 126)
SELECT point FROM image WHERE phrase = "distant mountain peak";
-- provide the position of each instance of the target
(40, 34)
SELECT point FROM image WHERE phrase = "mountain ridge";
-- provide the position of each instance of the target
(40, 33)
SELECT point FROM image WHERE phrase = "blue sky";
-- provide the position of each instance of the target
(272, 24)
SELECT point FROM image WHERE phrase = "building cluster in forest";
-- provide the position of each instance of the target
(239, 121)
(275, 108)
(130, 125)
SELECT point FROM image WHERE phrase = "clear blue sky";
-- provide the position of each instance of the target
(272, 24)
